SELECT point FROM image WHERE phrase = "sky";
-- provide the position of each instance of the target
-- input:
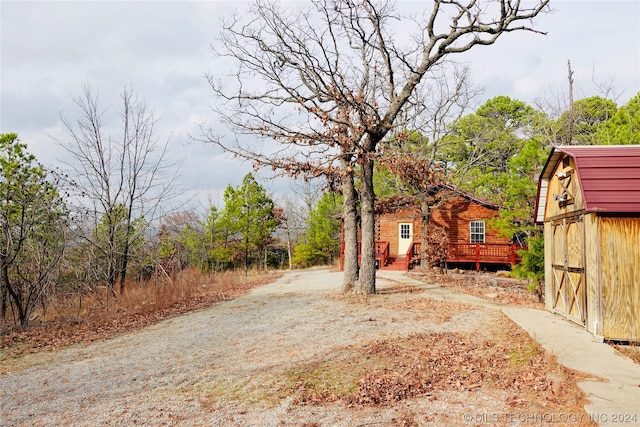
(49, 50)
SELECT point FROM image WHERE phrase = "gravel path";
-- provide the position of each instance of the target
(163, 374)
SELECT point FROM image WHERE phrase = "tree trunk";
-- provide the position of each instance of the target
(571, 110)
(112, 256)
(124, 264)
(350, 230)
(4, 294)
(425, 213)
(266, 259)
(289, 251)
(16, 295)
(125, 251)
(246, 256)
(368, 224)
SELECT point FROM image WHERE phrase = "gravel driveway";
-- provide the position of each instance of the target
(166, 373)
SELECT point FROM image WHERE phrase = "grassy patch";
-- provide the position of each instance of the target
(319, 382)
(524, 355)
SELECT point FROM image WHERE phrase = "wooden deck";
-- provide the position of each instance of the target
(472, 253)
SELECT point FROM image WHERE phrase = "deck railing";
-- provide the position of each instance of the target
(494, 253)
(414, 250)
(478, 253)
(490, 253)
(382, 253)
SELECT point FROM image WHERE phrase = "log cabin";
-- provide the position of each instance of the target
(589, 203)
(471, 241)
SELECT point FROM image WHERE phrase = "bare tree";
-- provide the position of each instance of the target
(119, 180)
(329, 82)
(415, 156)
(297, 212)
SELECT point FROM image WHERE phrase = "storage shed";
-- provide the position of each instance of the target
(589, 202)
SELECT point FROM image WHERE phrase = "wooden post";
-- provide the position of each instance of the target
(477, 256)
(341, 266)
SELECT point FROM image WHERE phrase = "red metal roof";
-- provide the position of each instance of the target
(609, 177)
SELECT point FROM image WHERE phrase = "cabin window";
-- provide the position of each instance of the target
(477, 231)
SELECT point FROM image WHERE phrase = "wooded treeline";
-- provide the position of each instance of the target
(50, 249)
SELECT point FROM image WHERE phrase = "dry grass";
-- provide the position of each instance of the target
(98, 315)
(423, 309)
(631, 351)
(484, 285)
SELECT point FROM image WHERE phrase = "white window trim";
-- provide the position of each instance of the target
(474, 231)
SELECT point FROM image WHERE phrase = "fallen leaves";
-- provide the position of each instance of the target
(386, 372)
(487, 286)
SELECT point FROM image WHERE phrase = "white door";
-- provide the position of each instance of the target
(405, 237)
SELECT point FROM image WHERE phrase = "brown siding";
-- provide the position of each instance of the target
(388, 227)
(455, 216)
(620, 258)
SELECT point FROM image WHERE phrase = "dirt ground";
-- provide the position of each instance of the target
(298, 353)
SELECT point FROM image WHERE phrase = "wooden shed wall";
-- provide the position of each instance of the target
(557, 187)
(620, 276)
(606, 247)
(593, 274)
(548, 269)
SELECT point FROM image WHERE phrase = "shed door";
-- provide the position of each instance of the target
(569, 282)
(405, 237)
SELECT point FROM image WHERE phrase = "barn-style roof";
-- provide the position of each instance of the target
(609, 177)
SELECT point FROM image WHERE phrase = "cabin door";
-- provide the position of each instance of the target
(569, 281)
(405, 237)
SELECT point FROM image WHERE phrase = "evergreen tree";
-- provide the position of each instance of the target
(322, 240)
(623, 127)
(249, 219)
(589, 116)
(496, 153)
(33, 221)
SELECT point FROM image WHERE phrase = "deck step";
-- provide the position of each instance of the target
(395, 264)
